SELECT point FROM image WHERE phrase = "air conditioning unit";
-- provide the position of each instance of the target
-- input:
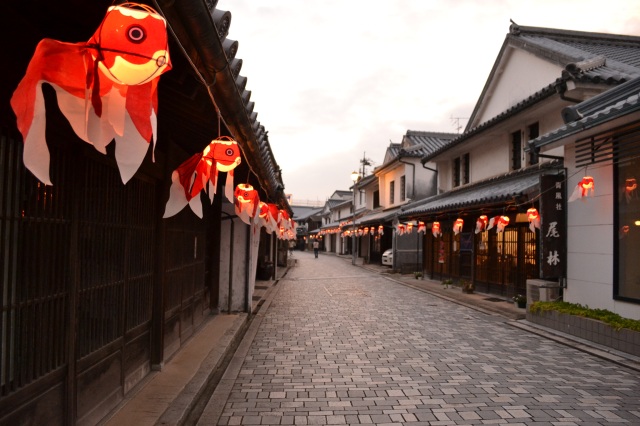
(543, 291)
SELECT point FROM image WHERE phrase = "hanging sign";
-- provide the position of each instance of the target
(553, 252)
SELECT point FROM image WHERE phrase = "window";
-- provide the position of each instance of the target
(376, 199)
(627, 237)
(516, 150)
(461, 170)
(362, 198)
(392, 190)
(534, 132)
(456, 172)
(402, 188)
(465, 169)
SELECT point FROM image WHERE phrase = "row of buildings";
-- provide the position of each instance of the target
(555, 129)
(97, 288)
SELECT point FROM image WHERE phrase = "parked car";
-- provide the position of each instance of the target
(387, 257)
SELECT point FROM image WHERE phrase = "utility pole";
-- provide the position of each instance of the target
(365, 162)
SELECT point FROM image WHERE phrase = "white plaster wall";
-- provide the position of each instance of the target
(239, 265)
(425, 180)
(393, 175)
(490, 158)
(516, 82)
(590, 236)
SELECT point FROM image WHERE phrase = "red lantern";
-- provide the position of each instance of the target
(624, 231)
(200, 172)
(422, 227)
(105, 87)
(481, 223)
(503, 221)
(584, 188)
(435, 229)
(409, 227)
(457, 226)
(401, 229)
(534, 219)
(246, 202)
(381, 230)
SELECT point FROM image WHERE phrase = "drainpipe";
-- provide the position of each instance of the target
(434, 171)
(229, 298)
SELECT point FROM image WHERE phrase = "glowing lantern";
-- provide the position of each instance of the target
(106, 88)
(534, 219)
(435, 229)
(630, 186)
(381, 230)
(584, 188)
(457, 226)
(409, 227)
(365, 230)
(246, 202)
(274, 218)
(422, 228)
(263, 212)
(200, 172)
(401, 228)
(372, 230)
(503, 221)
(481, 223)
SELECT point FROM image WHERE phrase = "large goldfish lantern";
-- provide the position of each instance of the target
(106, 88)
(201, 172)
(247, 201)
(584, 188)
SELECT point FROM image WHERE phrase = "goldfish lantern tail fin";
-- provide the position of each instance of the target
(576, 195)
(177, 197)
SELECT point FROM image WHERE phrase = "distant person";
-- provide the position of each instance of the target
(316, 246)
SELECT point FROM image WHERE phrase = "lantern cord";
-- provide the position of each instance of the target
(199, 75)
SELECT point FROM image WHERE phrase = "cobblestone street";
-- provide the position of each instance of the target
(342, 345)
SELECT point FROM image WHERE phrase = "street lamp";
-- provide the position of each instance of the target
(355, 176)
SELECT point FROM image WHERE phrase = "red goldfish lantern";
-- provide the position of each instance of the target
(247, 201)
(584, 188)
(381, 230)
(409, 227)
(500, 222)
(457, 226)
(503, 221)
(106, 88)
(422, 228)
(481, 223)
(534, 219)
(435, 229)
(201, 172)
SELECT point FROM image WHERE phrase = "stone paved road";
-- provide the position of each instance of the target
(341, 345)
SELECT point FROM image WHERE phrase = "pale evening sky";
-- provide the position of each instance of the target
(332, 80)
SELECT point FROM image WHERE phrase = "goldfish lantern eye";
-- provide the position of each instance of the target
(136, 34)
(229, 152)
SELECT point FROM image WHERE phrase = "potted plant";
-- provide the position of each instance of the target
(467, 286)
(417, 274)
(446, 283)
(520, 301)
